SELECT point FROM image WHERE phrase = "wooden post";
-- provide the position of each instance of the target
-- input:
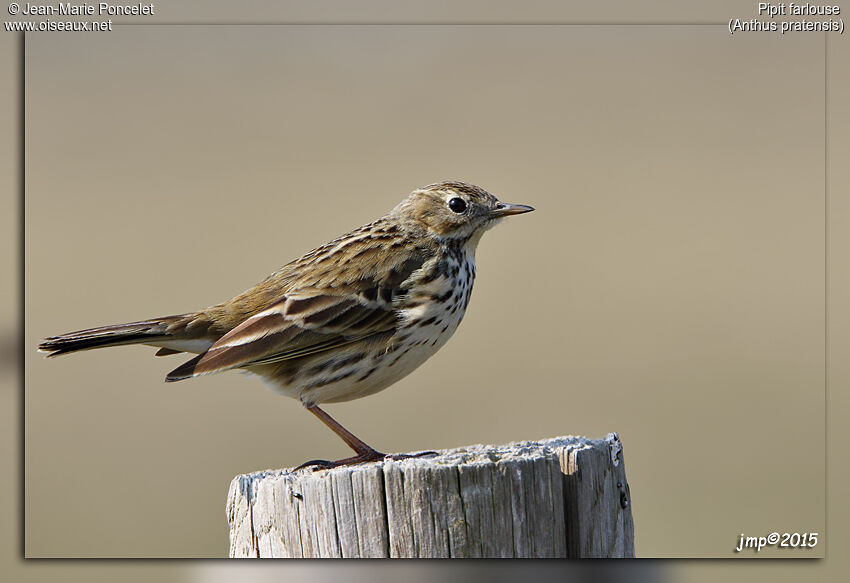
(560, 497)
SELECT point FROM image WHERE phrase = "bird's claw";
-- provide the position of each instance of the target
(406, 456)
(319, 465)
(362, 458)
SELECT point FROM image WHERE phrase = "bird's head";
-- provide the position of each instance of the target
(455, 210)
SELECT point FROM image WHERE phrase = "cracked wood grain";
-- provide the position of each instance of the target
(559, 497)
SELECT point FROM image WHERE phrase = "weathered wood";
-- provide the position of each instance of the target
(560, 497)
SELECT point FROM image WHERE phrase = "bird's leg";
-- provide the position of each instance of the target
(358, 445)
(364, 452)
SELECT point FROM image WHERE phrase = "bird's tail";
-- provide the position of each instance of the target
(142, 332)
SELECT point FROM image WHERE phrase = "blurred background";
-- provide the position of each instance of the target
(670, 286)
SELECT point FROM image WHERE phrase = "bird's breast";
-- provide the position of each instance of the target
(436, 301)
(428, 314)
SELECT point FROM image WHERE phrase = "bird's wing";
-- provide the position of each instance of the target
(308, 320)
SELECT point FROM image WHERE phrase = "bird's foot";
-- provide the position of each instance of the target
(367, 455)
(363, 457)
(407, 456)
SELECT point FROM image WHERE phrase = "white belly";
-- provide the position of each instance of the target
(388, 365)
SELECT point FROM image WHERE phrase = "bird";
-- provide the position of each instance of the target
(345, 320)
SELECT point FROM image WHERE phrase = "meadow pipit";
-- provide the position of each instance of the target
(347, 319)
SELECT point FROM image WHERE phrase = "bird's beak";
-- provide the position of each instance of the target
(504, 209)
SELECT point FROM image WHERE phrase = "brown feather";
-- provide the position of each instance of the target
(307, 318)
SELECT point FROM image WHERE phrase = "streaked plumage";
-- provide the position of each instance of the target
(345, 320)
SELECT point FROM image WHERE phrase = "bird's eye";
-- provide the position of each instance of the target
(457, 205)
